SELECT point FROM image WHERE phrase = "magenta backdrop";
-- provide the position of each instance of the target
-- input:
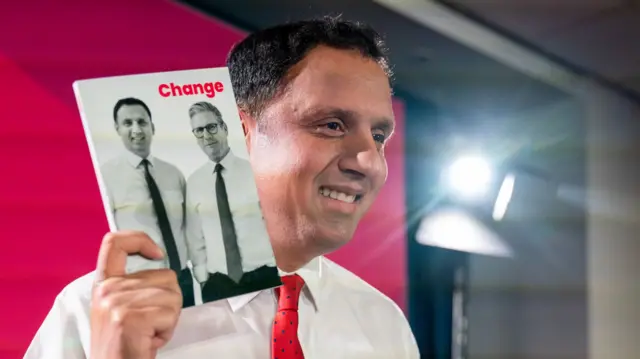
(50, 210)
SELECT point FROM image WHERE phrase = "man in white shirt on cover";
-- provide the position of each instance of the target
(147, 193)
(231, 252)
(316, 107)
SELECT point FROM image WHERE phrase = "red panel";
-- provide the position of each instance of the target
(50, 209)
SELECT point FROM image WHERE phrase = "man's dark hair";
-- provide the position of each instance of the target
(259, 64)
(129, 101)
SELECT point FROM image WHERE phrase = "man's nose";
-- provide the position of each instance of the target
(361, 157)
(207, 135)
(135, 128)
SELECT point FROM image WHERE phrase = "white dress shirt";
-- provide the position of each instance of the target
(204, 232)
(341, 317)
(132, 208)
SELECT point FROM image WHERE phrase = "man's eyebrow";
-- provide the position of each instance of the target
(318, 112)
(384, 123)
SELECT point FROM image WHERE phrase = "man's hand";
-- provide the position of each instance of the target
(132, 315)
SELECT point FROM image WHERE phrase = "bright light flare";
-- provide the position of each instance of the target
(504, 197)
(469, 177)
(456, 230)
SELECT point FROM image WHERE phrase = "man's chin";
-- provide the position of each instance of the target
(139, 149)
(331, 237)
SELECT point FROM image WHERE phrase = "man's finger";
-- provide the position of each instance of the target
(149, 278)
(116, 247)
(148, 297)
(160, 320)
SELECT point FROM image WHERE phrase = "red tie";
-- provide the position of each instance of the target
(285, 325)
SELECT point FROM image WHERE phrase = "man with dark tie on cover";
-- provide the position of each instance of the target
(147, 194)
(232, 253)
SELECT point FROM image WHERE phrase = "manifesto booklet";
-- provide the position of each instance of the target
(170, 159)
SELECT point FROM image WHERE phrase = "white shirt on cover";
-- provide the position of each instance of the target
(341, 317)
(132, 208)
(204, 232)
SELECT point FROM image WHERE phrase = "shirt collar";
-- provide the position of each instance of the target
(227, 160)
(312, 275)
(134, 160)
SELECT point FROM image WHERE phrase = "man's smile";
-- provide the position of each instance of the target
(343, 199)
(344, 194)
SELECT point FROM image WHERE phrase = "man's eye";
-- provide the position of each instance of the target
(334, 126)
(379, 137)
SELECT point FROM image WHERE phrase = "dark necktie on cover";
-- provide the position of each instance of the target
(232, 252)
(163, 220)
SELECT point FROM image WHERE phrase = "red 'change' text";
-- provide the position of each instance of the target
(208, 88)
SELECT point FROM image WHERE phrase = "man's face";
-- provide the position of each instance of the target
(135, 128)
(211, 135)
(318, 150)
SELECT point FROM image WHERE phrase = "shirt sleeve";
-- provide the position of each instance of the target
(108, 191)
(58, 336)
(195, 237)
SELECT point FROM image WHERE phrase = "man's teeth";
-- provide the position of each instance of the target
(337, 195)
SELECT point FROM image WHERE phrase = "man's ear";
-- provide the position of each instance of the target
(246, 121)
(248, 125)
(244, 128)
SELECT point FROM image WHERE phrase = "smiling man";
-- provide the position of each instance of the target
(147, 193)
(231, 253)
(316, 107)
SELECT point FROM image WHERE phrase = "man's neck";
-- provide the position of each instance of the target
(290, 260)
(222, 156)
(142, 154)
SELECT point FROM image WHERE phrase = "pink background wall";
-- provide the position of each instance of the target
(50, 210)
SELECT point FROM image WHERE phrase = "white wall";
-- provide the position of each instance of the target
(614, 225)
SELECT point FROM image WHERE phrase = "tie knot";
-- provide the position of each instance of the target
(145, 163)
(289, 292)
(218, 168)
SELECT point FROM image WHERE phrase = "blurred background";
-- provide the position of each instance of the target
(508, 228)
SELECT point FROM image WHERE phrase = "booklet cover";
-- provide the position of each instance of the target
(170, 159)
